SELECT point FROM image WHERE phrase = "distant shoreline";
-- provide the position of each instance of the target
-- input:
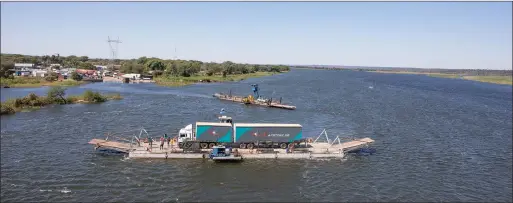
(503, 77)
(165, 72)
(495, 79)
(172, 81)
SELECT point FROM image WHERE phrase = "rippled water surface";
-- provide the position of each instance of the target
(436, 139)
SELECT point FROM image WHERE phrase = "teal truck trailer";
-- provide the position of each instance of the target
(240, 135)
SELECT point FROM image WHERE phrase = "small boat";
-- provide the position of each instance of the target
(222, 154)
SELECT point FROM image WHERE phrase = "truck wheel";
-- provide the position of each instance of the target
(251, 146)
(180, 145)
(283, 145)
(242, 146)
(211, 145)
(203, 145)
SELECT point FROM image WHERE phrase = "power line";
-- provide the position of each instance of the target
(113, 44)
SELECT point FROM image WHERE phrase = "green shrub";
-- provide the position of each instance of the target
(72, 99)
(91, 96)
(88, 95)
(52, 76)
(116, 96)
(33, 96)
(57, 94)
(75, 76)
(99, 98)
(19, 102)
(36, 102)
(6, 109)
(32, 100)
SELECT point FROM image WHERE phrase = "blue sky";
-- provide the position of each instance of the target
(401, 34)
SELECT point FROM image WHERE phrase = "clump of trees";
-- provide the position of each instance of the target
(82, 62)
(189, 68)
(75, 76)
(91, 96)
(52, 76)
(6, 70)
(57, 94)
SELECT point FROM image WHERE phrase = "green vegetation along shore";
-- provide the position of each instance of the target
(56, 96)
(36, 82)
(181, 81)
(496, 79)
(164, 72)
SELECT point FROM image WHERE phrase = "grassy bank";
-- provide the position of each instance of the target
(55, 97)
(36, 82)
(505, 80)
(181, 81)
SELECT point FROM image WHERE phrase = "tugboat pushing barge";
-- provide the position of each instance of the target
(254, 99)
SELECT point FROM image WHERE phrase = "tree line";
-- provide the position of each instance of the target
(142, 65)
(187, 68)
(82, 62)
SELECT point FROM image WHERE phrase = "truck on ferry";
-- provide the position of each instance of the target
(240, 135)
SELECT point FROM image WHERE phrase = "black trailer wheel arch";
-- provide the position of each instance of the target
(242, 146)
(250, 146)
(211, 145)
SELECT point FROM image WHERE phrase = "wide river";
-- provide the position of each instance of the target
(437, 139)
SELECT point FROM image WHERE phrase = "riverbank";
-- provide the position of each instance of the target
(182, 81)
(56, 96)
(37, 82)
(496, 79)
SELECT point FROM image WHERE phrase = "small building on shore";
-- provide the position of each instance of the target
(55, 66)
(22, 73)
(147, 77)
(23, 66)
(67, 71)
(134, 76)
(39, 73)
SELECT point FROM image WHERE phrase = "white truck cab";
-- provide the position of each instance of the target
(187, 133)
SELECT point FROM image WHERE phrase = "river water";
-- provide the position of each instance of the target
(437, 139)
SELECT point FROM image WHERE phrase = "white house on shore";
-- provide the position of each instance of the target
(54, 65)
(39, 73)
(132, 76)
(23, 66)
(67, 71)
